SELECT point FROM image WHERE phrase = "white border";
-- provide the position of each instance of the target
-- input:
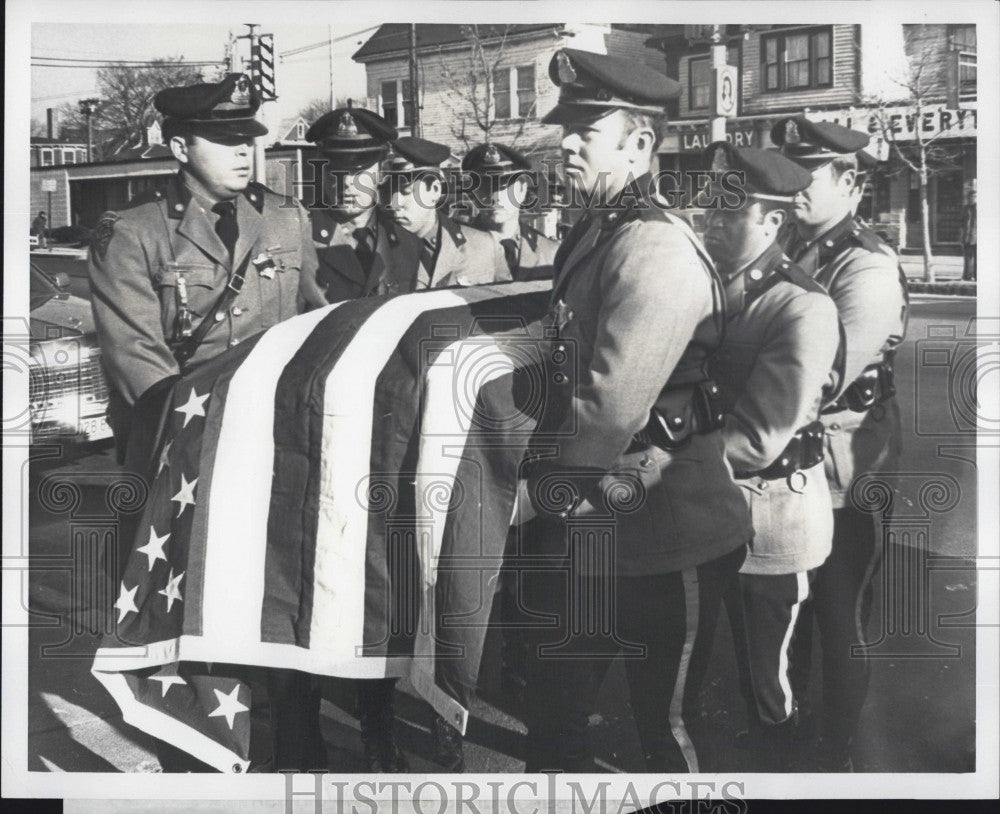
(19, 16)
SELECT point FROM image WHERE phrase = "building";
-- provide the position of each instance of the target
(847, 74)
(455, 106)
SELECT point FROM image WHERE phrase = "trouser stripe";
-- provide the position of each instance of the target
(691, 604)
(802, 580)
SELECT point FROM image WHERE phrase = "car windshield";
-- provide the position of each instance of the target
(42, 288)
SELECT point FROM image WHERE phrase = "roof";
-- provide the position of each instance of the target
(142, 152)
(45, 141)
(393, 37)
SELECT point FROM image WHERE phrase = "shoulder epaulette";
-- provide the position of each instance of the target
(869, 239)
(795, 275)
(144, 197)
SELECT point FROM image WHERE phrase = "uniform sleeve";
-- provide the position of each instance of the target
(310, 293)
(869, 299)
(654, 293)
(783, 391)
(127, 315)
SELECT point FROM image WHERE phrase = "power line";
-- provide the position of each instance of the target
(326, 43)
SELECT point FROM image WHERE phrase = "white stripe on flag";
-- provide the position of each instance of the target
(240, 498)
(802, 593)
(450, 397)
(338, 612)
(689, 577)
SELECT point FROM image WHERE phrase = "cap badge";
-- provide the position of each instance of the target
(347, 126)
(241, 92)
(792, 132)
(492, 155)
(564, 68)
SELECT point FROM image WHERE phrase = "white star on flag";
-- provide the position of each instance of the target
(126, 602)
(195, 405)
(164, 461)
(154, 548)
(229, 705)
(166, 682)
(186, 494)
(172, 589)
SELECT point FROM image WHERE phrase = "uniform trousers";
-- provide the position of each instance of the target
(763, 610)
(840, 608)
(661, 624)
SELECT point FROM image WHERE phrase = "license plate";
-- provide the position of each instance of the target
(95, 428)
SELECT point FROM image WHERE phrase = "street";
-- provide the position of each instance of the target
(920, 715)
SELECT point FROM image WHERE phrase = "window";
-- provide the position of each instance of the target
(514, 92)
(963, 37)
(798, 60)
(397, 102)
(69, 156)
(406, 100)
(525, 90)
(963, 40)
(300, 132)
(699, 83)
(47, 158)
(501, 93)
(390, 107)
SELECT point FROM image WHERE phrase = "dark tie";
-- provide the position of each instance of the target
(226, 227)
(510, 252)
(365, 248)
(427, 257)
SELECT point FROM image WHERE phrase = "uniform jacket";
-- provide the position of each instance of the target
(775, 365)
(465, 256)
(536, 256)
(165, 239)
(863, 277)
(346, 274)
(633, 299)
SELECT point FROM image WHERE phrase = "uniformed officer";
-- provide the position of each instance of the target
(863, 276)
(452, 254)
(180, 276)
(637, 504)
(503, 180)
(775, 367)
(361, 250)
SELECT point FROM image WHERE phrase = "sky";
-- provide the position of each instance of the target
(300, 78)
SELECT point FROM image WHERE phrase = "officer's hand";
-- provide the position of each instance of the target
(310, 294)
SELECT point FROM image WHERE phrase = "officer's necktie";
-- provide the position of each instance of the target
(427, 256)
(365, 248)
(226, 227)
(510, 253)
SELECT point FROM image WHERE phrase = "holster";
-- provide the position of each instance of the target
(875, 385)
(679, 413)
(804, 451)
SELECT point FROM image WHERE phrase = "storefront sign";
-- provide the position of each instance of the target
(903, 122)
(698, 140)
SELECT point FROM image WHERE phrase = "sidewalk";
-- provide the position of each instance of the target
(945, 267)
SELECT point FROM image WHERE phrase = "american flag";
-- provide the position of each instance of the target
(332, 496)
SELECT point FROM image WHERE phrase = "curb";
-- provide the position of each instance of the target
(961, 288)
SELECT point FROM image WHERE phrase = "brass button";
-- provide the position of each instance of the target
(237, 311)
(829, 244)
(219, 316)
(233, 343)
(756, 274)
(646, 461)
(835, 426)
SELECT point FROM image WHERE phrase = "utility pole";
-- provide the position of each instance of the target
(89, 107)
(333, 97)
(717, 127)
(414, 79)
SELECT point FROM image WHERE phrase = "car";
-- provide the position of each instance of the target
(67, 389)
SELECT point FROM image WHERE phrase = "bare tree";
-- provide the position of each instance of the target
(126, 103)
(921, 84)
(472, 83)
(317, 107)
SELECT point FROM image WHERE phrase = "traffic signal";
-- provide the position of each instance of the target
(262, 66)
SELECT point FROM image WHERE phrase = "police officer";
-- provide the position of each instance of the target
(180, 276)
(637, 497)
(776, 363)
(451, 254)
(862, 428)
(361, 250)
(503, 179)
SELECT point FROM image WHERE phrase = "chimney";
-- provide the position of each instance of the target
(50, 120)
